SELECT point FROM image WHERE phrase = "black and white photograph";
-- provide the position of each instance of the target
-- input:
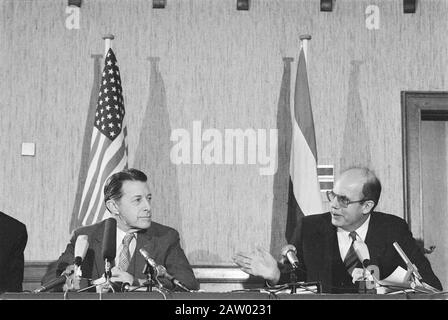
(230, 158)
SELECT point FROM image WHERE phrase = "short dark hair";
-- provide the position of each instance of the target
(112, 187)
(372, 187)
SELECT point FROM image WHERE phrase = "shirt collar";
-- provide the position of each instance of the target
(121, 234)
(361, 231)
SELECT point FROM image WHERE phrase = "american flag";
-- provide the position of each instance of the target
(108, 151)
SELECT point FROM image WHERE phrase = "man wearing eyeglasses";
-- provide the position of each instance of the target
(325, 247)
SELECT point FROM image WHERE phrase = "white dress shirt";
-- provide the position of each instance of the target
(344, 240)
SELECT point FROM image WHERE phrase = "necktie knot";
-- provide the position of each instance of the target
(353, 235)
(128, 238)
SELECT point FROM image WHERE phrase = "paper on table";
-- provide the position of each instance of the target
(399, 279)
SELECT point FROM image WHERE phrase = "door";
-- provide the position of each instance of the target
(425, 144)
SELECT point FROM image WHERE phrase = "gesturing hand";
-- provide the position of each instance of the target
(258, 263)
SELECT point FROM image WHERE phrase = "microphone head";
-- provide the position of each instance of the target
(289, 254)
(144, 253)
(81, 246)
(362, 251)
(125, 287)
(287, 248)
(147, 257)
(110, 240)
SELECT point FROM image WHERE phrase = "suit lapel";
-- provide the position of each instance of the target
(144, 240)
(324, 243)
(374, 240)
(330, 241)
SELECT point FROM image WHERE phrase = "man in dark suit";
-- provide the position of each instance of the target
(13, 239)
(128, 199)
(324, 245)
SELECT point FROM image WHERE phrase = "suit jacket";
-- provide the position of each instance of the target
(161, 242)
(316, 249)
(13, 239)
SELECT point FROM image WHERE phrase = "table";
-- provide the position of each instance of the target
(259, 296)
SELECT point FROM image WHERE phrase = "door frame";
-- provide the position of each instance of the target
(415, 107)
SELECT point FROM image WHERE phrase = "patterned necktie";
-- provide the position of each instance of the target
(125, 255)
(351, 260)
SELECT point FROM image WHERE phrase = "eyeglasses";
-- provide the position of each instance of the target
(343, 201)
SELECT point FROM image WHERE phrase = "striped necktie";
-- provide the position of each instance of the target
(125, 255)
(351, 260)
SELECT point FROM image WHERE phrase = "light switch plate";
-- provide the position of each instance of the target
(28, 149)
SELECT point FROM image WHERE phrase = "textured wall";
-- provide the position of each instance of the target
(205, 61)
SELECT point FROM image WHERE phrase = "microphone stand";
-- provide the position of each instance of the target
(74, 278)
(148, 271)
(416, 280)
(366, 285)
(293, 284)
(293, 280)
(305, 285)
(107, 274)
(149, 283)
(69, 278)
(418, 285)
(105, 286)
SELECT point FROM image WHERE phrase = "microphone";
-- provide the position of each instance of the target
(109, 249)
(148, 258)
(411, 267)
(362, 251)
(289, 252)
(161, 270)
(125, 287)
(74, 281)
(81, 246)
(55, 282)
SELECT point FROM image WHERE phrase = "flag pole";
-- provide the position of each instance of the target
(107, 42)
(304, 43)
